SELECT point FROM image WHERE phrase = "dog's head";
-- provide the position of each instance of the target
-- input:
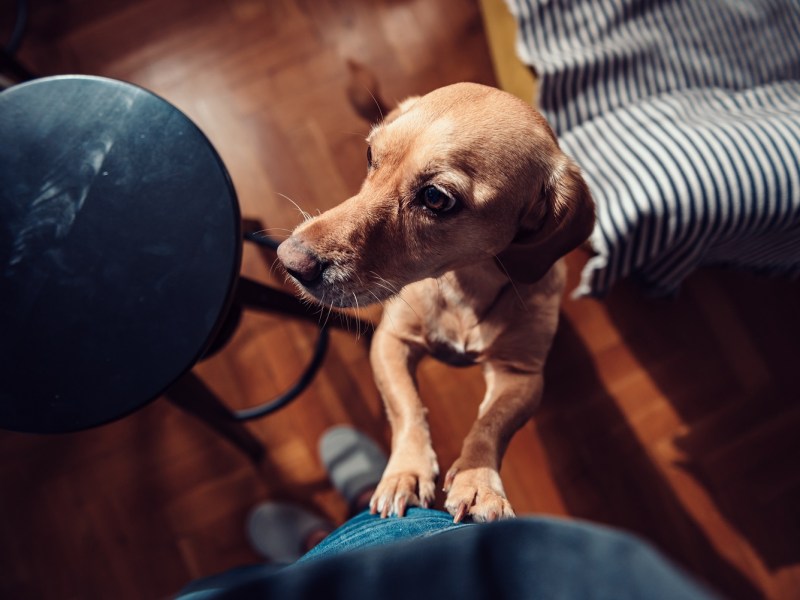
(466, 173)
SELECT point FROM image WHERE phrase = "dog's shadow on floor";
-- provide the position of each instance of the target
(604, 473)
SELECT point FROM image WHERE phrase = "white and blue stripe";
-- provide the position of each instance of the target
(685, 118)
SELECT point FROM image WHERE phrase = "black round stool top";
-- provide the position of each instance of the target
(119, 249)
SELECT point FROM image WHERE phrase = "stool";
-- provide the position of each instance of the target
(120, 248)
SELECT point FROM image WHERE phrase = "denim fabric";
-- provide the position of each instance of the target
(519, 558)
(366, 530)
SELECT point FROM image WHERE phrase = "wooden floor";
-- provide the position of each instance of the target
(676, 419)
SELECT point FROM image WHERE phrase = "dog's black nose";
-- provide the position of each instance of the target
(309, 273)
(299, 261)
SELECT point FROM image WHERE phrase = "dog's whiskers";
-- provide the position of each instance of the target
(323, 320)
(384, 283)
(381, 303)
(386, 313)
(357, 318)
(273, 266)
(268, 229)
(358, 315)
(330, 310)
(375, 100)
(511, 281)
(386, 287)
(306, 216)
(358, 134)
(392, 289)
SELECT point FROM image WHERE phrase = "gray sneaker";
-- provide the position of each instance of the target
(278, 531)
(353, 461)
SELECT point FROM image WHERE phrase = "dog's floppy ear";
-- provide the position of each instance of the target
(556, 223)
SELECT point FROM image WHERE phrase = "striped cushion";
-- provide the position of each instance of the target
(685, 118)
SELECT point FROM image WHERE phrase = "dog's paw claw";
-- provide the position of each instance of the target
(448, 479)
(396, 492)
(460, 512)
(478, 493)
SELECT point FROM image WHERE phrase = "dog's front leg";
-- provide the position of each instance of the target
(410, 475)
(473, 483)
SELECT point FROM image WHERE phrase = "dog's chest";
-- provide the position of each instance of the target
(454, 331)
(452, 348)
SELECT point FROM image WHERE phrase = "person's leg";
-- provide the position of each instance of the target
(366, 529)
(354, 464)
(282, 533)
(425, 554)
(522, 558)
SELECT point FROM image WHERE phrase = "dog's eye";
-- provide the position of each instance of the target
(369, 157)
(436, 199)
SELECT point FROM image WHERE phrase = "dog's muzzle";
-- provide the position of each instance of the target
(300, 262)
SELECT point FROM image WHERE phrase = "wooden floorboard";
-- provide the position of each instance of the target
(675, 418)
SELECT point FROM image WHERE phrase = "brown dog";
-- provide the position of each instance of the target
(467, 207)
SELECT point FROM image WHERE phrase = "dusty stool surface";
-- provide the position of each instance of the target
(120, 246)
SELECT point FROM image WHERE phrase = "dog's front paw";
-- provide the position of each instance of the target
(407, 481)
(396, 492)
(477, 492)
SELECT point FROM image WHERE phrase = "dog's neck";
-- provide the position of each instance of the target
(480, 285)
(477, 285)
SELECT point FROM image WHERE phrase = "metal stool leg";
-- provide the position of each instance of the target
(192, 395)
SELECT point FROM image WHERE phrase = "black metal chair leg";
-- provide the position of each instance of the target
(193, 396)
(14, 68)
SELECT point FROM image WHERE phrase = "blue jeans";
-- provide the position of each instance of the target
(425, 555)
(365, 530)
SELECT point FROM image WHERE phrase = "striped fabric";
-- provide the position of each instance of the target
(685, 118)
